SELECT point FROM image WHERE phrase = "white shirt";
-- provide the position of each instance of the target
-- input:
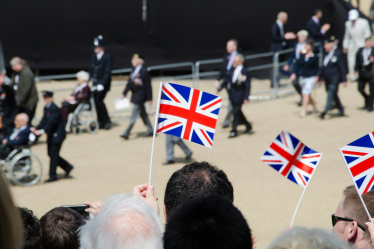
(329, 56)
(365, 54)
(280, 25)
(99, 55)
(299, 48)
(232, 57)
(16, 132)
(237, 72)
(136, 71)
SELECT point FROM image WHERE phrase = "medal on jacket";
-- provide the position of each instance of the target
(334, 59)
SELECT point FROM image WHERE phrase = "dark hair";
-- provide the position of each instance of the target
(234, 41)
(60, 228)
(316, 11)
(207, 222)
(310, 42)
(196, 180)
(32, 232)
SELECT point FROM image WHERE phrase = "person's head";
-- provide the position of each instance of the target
(353, 15)
(318, 13)
(368, 42)
(282, 16)
(330, 43)
(137, 60)
(17, 64)
(302, 36)
(350, 207)
(195, 180)
(47, 97)
(231, 46)
(124, 222)
(238, 60)
(82, 76)
(308, 238)
(21, 120)
(99, 44)
(32, 232)
(207, 222)
(309, 45)
(10, 219)
(60, 228)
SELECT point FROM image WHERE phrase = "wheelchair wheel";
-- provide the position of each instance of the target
(77, 130)
(25, 169)
(92, 126)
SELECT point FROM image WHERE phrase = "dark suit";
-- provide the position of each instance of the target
(333, 73)
(238, 92)
(21, 139)
(26, 93)
(365, 76)
(278, 41)
(314, 31)
(307, 68)
(141, 92)
(8, 108)
(53, 126)
(100, 73)
(83, 95)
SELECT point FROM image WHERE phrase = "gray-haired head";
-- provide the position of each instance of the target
(308, 238)
(124, 222)
(83, 75)
(240, 57)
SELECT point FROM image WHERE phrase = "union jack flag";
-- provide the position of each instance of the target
(188, 113)
(292, 159)
(359, 159)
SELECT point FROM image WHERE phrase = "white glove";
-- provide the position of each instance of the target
(99, 88)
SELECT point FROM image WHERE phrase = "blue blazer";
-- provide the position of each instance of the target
(53, 125)
(21, 139)
(293, 57)
(307, 68)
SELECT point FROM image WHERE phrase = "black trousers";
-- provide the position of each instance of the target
(56, 160)
(369, 99)
(102, 113)
(238, 117)
(30, 111)
(296, 85)
(332, 88)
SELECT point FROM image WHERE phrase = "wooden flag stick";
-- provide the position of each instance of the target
(358, 192)
(154, 133)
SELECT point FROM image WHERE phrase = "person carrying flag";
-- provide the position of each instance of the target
(238, 86)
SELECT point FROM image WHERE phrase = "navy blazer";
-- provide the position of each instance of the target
(277, 38)
(101, 70)
(238, 91)
(141, 92)
(293, 57)
(314, 31)
(335, 71)
(223, 73)
(360, 67)
(308, 67)
(53, 125)
(21, 139)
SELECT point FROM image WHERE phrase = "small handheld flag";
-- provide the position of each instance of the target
(292, 159)
(188, 113)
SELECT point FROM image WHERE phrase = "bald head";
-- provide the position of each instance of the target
(21, 120)
(282, 16)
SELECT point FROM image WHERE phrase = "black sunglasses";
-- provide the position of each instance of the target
(335, 219)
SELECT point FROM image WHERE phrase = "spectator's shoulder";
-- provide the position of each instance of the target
(27, 71)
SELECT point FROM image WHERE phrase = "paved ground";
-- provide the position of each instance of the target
(105, 164)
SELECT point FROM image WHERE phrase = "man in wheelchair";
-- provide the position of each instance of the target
(80, 94)
(19, 136)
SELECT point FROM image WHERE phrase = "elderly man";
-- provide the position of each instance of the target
(350, 218)
(140, 86)
(356, 31)
(279, 37)
(19, 136)
(24, 84)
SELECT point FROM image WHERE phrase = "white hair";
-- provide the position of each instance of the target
(124, 222)
(303, 33)
(308, 238)
(83, 75)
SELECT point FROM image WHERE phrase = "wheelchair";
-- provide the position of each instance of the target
(83, 115)
(22, 167)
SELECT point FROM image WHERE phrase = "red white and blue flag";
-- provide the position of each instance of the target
(292, 159)
(359, 159)
(188, 113)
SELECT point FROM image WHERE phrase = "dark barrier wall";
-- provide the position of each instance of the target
(58, 34)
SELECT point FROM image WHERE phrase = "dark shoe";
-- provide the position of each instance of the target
(300, 103)
(51, 180)
(340, 114)
(225, 126)
(107, 126)
(233, 134)
(188, 158)
(168, 162)
(248, 130)
(364, 108)
(125, 136)
(101, 126)
(67, 172)
(322, 115)
(148, 134)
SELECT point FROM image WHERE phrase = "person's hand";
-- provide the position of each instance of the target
(371, 58)
(32, 129)
(286, 67)
(254, 241)
(216, 84)
(37, 132)
(2, 79)
(147, 194)
(371, 230)
(319, 83)
(137, 81)
(355, 73)
(316, 78)
(289, 36)
(345, 84)
(149, 102)
(293, 77)
(94, 208)
(326, 27)
(345, 50)
(122, 96)
(245, 101)
(99, 88)
(5, 141)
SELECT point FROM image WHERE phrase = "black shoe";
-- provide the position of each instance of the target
(51, 180)
(107, 126)
(340, 114)
(168, 162)
(322, 115)
(300, 103)
(125, 136)
(188, 158)
(233, 134)
(248, 130)
(370, 109)
(225, 126)
(364, 108)
(101, 126)
(67, 172)
(148, 134)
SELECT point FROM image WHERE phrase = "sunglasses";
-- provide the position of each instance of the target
(335, 219)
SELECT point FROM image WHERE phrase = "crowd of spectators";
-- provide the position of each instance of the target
(199, 210)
